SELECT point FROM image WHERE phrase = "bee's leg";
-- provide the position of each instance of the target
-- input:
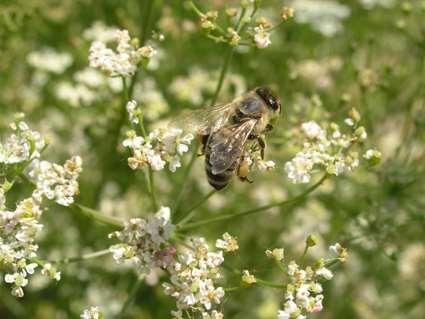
(203, 138)
(262, 144)
(242, 171)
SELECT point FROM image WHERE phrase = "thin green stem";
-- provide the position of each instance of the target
(256, 210)
(280, 265)
(130, 298)
(98, 216)
(186, 179)
(269, 284)
(224, 69)
(147, 20)
(231, 289)
(196, 9)
(190, 213)
(152, 189)
(84, 257)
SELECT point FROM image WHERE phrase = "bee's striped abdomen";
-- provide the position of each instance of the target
(220, 180)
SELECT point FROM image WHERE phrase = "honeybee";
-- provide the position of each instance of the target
(227, 131)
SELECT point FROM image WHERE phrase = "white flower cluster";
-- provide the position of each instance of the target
(133, 112)
(57, 182)
(193, 280)
(145, 242)
(325, 148)
(370, 4)
(190, 88)
(254, 159)
(49, 60)
(324, 16)
(88, 86)
(22, 146)
(162, 146)
(18, 230)
(98, 31)
(304, 291)
(92, 313)
(123, 61)
(261, 37)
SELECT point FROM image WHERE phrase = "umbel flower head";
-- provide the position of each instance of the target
(304, 292)
(57, 182)
(145, 242)
(193, 280)
(330, 149)
(18, 230)
(160, 147)
(22, 145)
(122, 61)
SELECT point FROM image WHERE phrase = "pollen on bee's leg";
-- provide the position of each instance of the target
(243, 171)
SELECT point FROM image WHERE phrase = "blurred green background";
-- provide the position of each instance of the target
(372, 58)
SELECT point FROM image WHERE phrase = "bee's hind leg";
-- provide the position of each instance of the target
(243, 171)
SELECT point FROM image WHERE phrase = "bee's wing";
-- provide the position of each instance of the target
(205, 120)
(227, 145)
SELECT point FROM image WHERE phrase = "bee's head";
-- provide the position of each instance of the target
(270, 98)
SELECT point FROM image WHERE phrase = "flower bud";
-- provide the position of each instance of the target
(311, 241)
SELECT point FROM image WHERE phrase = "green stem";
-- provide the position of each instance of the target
(84, 257)
(186, 179)
(150, 177)
(269, 284)
(152, 189)
(131, 296)
(190, 213)
(146, 20)
(256, 210)
(98, 216)
(223, 72)
(231, 289)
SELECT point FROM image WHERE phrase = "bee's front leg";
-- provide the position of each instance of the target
(243, 171)
(203, 138)
(262, 145)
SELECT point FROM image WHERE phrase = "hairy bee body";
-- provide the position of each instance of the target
(250, 120)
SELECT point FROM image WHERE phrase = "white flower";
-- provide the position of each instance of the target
(324, 16)
(56, 182)
(313, 130)
(100, 32)
(91, 313)
(133, 111)
(21, 146)
(370, 4)
(248, 278)
(17, 242)
(50, 271)
(121, 62)
(228, 243)
(329, 149)
(325, 273)
(265, 165)
(261, 37)
(75, 95)
(144, 242)
(192, 281)
(161, 147)
(299, 168)
(49, 60)
(336, 248)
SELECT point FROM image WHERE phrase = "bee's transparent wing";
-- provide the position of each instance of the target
(205, 120)
(227, 145)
